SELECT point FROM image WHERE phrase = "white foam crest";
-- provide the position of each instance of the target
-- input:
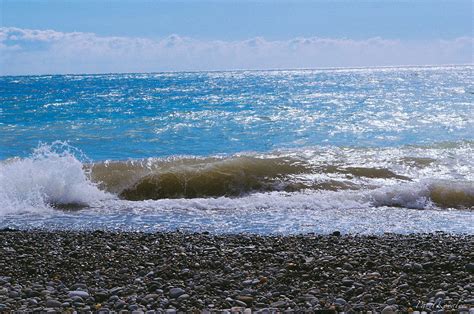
(52, 175)
(424, 194)
(416, 196)
(257, 201)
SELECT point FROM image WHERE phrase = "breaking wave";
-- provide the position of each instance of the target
(427, 194)
(59, 176)
(53, 176)
(212, 177)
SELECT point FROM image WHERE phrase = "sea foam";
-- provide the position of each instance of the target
(52, 176)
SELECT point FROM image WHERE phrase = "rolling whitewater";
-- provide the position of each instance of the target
(367, 150)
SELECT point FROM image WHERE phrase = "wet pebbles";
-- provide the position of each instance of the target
(105, 271)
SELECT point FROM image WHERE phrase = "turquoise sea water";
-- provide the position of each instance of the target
(121, 116)
(296, 151)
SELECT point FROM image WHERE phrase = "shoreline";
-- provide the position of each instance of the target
(102, 270)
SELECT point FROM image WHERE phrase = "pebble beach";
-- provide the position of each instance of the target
(66, 271)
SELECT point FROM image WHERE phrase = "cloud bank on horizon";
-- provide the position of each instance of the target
(30, 51)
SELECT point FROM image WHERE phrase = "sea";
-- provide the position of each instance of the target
(360, 150)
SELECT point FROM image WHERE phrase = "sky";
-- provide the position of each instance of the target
(49, 37)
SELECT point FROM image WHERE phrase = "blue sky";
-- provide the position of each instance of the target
(200, 35)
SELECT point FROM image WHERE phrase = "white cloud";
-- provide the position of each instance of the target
(25, 51)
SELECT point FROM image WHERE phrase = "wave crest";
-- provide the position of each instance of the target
(53, 176)
(58, 175)
(426, 194)
(233, 176)
(226, 177)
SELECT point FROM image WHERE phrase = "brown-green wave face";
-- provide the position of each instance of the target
(233, 176)
(389, 180)
(452, 196)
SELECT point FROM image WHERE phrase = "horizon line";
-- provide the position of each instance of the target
(252, 70)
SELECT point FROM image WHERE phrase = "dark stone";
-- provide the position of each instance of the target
(470, 267)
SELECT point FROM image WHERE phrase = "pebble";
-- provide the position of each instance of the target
(347, 266)
(32, 302)
(440, 295)
(340, 301)
(278, 304)
(78, 293)
(133, 307)
(116, 290)
(347, 282)
(77, 299)
(204, 272)
(247, 299)
(391, 301)
(389, 310)
(183, 297)
(417, 267)
(176, 292)
(114, 298)
(151, 296)
(13, 294)
(470, 267)
(404, 286)
(53, 303)
(79, 286)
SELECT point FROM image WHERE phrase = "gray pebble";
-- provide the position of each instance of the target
(183, 297)
(77, 299)
(340, 301)
(78, 293)
(278, 304)
(13, 294)
(417, 267)
(151, 296)
(79, 286)
(32, 302)
(389, 310)
(440, 295)
(116, 290)
(277, 273)
(347, 282)
(133, 307)
(391, 301)
(470, 267)
(53, 303)
(175, 292)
